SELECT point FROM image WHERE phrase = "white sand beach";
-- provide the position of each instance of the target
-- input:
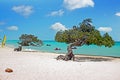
(44, 66)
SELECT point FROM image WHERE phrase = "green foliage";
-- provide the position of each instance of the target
(29, 40)
(86, 25)
(85, 28)
(107, 40)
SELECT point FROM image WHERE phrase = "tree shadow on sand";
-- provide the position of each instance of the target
(86, 58)
(91, 59)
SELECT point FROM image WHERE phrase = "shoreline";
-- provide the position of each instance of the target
(113, 52)
(111, 58)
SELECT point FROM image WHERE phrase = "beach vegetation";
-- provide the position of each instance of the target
(29, 40)
(85, 28)
(84, 34)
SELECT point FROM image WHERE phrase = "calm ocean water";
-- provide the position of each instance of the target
(87, 50)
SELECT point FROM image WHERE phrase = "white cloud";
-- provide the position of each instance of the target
(58, 26)
(23, 10)
(13, 28)
(105, 29)
(117, 14)
(75, 4)
(56, 13)
(2, 23)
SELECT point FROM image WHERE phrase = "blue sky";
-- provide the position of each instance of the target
(44, 18)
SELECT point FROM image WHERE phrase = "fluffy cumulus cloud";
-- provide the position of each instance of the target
(58, 26)
(23, 10)
(117, 14)
(56, 13)
(13, 28)
(75, 4)
(105, 29)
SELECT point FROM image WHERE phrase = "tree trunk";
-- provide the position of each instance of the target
(70, 55)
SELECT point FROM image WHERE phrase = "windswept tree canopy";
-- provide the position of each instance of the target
(29, 40)
(85, 28)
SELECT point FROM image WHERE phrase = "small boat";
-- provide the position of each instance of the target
(74, 48)
(48, 45)
(57, 49)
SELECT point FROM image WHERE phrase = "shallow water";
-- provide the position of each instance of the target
(86, 50)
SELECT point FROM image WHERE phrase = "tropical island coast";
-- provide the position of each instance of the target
(60, 40)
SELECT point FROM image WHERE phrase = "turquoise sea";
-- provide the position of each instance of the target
(86, 50)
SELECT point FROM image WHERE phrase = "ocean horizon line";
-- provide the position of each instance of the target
(42, 40)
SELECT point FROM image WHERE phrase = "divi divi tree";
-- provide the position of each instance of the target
(84, 34)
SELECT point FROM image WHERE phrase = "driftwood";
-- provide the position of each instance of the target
(70, 55)
(18, 49)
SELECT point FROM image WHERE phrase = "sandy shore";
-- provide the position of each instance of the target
(44, 66)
